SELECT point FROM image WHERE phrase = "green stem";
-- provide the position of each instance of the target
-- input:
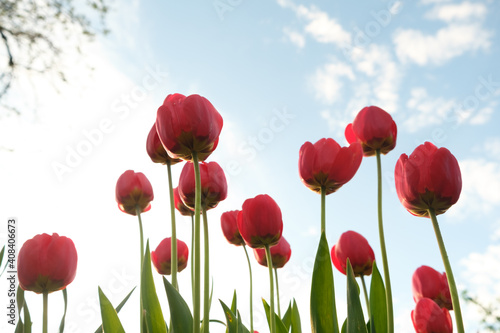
(323, 209)
(174, 232)
(449, 273)
(271, 311)
(388, 290)
(366, 295)
(141, 235)
(277, 292)
(251, 288)
(45, 311)
(197, 241)
(206, 278)
(192, 257)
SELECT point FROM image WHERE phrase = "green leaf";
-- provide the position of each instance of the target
(344, 326)
(287, 318)
(296, 326)
(180, 315)
(241, 327)
(1, 254)
(378, 302)
(65, 296)
(355, 320)
(323, 310)
(153, 315)
(231, 320)
(20, 304)
(234, 302)
(27, 318)
(280, 327)
(118, 308)
(110, 321)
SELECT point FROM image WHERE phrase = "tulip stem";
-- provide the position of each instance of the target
(251, 287)
(197, 241)
(277, 291)
(206, 278)
(449, 273)
(388, 290)
(45, 310)
(366, 295)
(323, 209)
(174, 233)
(192, 257)
(141, 235)
(271, 311)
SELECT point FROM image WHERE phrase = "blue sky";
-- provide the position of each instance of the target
(280, 73)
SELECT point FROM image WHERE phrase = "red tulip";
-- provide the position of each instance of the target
(428, 317)
(326, 165)
(374, 129)
(133, 190)
(429, 283)
(162, 256)
(429, 179)
(260, 221)
(280, 254)
(47, 263)
(188, 124)
(355, 247)
(229, 224)
(156, 151)
(179, 205)
(213, 185)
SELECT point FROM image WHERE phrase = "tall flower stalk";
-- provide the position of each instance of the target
(251, 287)
(197, 245)
(449, 273)
(174, 231)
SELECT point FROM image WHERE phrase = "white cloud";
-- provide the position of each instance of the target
(323, 28)
(295, 37)
(480, 184)
(449, 42)
(492, 147)
(319, 25)
(327, 82)
(457, 12)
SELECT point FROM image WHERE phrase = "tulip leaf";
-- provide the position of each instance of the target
(153, 315)
(280, 327)
(323, 310)
(118, 308)
(110, 321)
(232, 321)
(296, 326)
(180, 315)
(287, 317)
(355, 320)
(344, 326)
(2, 252)
(241, 327)
(234, 302)
(65, 297)
(378, 303)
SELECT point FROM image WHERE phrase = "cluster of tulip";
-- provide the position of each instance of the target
(428, 182)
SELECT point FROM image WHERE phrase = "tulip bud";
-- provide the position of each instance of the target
(429, 179)
(180, 206)
(229, 224)
(428, 283)
(133, 190)
(188, 124)
(47, 263)
(374, 129)
(280, 254)
(428, 317)
(260, 222)
(327, 165)
(162, 256)
(354, 247)
(156, 151)
(213, 185)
